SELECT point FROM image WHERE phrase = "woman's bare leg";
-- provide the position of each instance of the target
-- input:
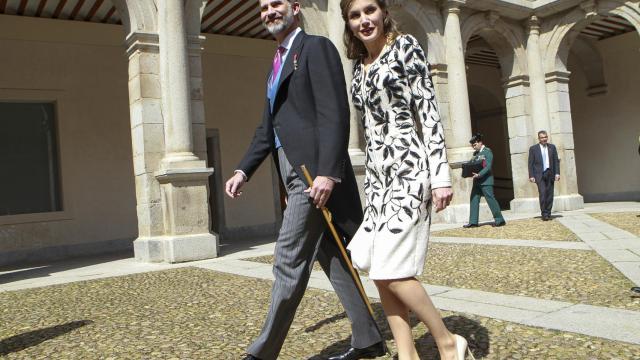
(398, 317)
(410, 292)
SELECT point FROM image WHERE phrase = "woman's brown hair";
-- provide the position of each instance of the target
(355, 47)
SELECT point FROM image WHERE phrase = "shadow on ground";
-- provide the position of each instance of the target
(31, 270)
(476, 334)
(35, 337)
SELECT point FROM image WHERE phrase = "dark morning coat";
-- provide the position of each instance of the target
(311, 117)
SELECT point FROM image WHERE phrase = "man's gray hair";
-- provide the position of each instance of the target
(542, 132)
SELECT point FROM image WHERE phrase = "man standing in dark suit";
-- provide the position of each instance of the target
(544, 169)
(306, 122)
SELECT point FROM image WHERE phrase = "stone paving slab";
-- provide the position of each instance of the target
(604, 239)
(628, 221)
(510, 301)
(617, 255)
(621, 325)
(513, 242)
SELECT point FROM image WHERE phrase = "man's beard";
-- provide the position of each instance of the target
(286, 21)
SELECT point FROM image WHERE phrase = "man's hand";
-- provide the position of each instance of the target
(557, 177)
(532, 179)
(475, 176)
(321, 190)
(233, 185)
(441, 197)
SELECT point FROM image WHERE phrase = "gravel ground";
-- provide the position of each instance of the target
(193, 313)
(628, 221)
(576, 276)
(528, 229)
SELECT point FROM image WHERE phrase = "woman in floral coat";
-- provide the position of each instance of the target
(406, 170)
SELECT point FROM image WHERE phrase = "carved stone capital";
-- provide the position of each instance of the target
(533, 24)
(142, 41)
(453, 6)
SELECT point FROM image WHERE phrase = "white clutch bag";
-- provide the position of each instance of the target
(361, 249)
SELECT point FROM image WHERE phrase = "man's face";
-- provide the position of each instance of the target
(543, 138)
(277, 15)
(476, 145)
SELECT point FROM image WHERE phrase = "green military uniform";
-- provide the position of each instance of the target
(483, 186)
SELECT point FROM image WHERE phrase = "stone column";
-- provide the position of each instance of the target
(517, 94)
(561, 135)
(539, 107)
(147, 131)
(335, 32)
(335, 29)
(459, 112)
(174, 68)
(457, 120)
(180, 175)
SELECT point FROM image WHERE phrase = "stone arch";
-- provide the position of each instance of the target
(194, 10)
(507, 40)
(138, 15)
(561, 34)
(590, 61)
(429, 19)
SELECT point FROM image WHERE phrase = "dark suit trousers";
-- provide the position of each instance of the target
(302, 239)
(545, 192)
(478, 191)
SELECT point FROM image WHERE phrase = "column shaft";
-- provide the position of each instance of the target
(174, 63)
(539, 106)
(335, 28)
(459, 112)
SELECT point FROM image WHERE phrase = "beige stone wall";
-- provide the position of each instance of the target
(82, 68)
(606, 127)
(235, 71)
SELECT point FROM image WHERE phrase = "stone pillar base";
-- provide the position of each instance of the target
(174, 249)
(560, 203)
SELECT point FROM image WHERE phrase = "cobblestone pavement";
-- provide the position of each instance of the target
(193, 313)
(529, 229)
(628, 221)
(575, 276)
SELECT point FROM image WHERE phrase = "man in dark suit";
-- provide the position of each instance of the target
(306, 122)
(544, 169)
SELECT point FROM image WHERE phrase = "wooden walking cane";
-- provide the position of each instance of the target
(343, 251)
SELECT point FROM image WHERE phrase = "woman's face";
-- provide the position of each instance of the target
(366, 20)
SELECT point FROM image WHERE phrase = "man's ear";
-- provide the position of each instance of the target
(295, 6)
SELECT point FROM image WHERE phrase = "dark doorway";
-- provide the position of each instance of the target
(216, 192)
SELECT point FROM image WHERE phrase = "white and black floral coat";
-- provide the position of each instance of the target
(405, 159)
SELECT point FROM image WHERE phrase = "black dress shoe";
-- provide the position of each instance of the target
(466, 226)
(499, 224)
(250, 357)
(370, 352)
(545, 218)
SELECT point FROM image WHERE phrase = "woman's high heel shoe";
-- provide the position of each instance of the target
(462, 348)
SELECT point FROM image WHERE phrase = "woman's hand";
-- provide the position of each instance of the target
(441, 197)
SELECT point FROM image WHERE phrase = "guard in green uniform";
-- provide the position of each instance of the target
(483, 185)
